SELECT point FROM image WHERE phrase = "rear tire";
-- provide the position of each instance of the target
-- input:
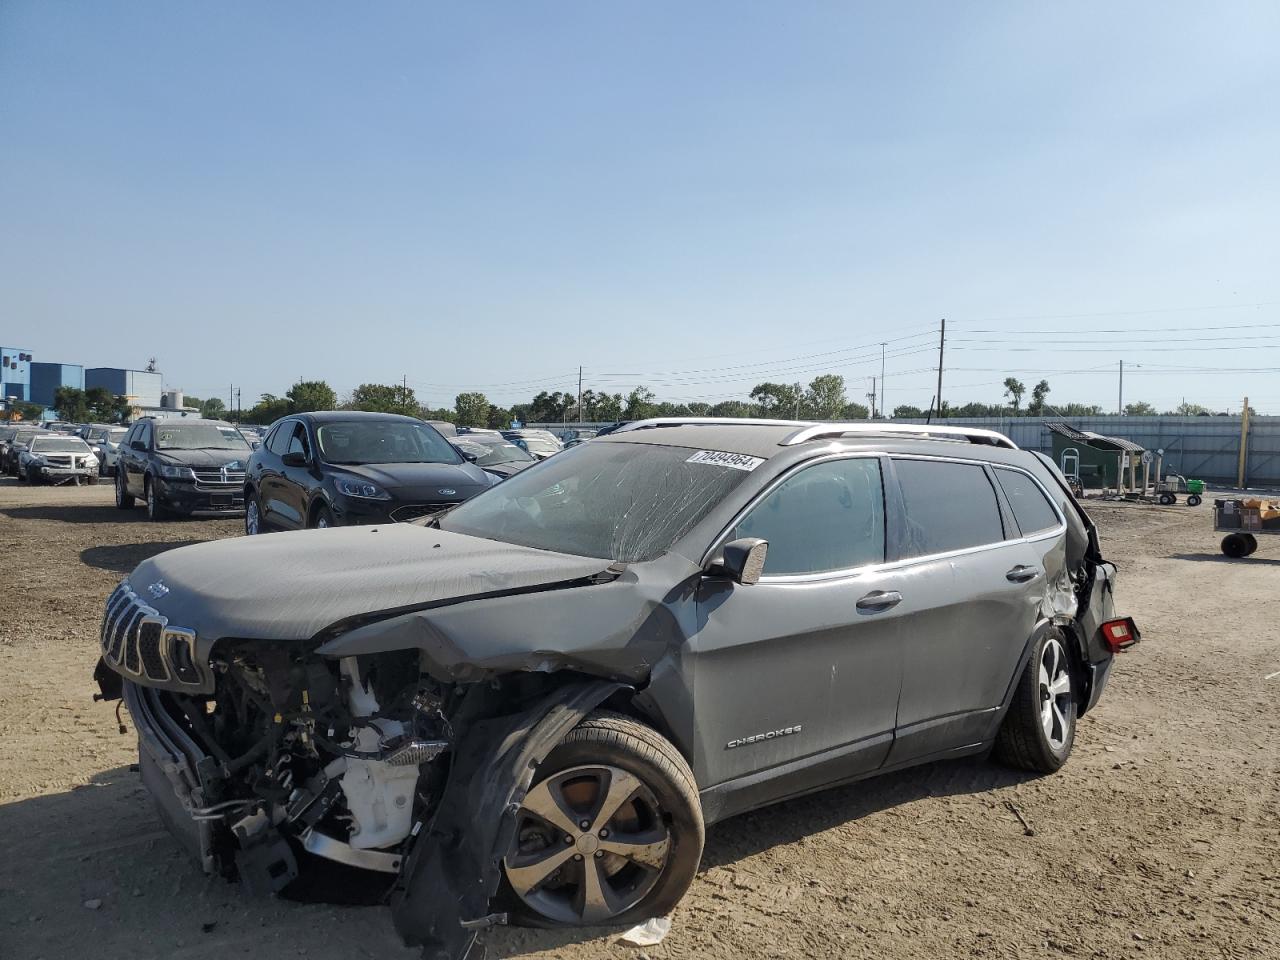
(659, 820)
(1040, 728)
(1167, 499)
(1235, 545)
(1193, 500)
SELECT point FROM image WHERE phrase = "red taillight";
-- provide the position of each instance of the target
(1120, 634)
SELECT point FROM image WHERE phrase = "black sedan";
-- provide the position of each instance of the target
(341, 468)
(494, 453)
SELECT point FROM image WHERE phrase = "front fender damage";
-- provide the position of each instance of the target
(441, 900)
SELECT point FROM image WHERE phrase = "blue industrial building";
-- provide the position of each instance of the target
(15, 373)
(46, 378)
(141, 387)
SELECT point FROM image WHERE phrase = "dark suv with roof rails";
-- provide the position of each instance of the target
(181, 465)
(529, 707)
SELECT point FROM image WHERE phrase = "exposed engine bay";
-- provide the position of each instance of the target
(295, 753)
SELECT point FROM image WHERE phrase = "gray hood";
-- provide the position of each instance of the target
(290, 586)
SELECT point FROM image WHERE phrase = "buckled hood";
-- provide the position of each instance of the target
(290, 586)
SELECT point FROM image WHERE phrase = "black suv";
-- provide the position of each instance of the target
(342, 468)
(182, 465)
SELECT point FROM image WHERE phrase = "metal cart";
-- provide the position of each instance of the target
(1167, 490)
(1244, 524)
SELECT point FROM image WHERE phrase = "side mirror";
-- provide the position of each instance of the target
(469, 457)
(138, 445)
(294, 458)
(742, 561)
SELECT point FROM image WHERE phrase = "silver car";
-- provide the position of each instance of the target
(529, 708)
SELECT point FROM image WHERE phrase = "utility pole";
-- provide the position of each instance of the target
(882, 407)
(1120, 400)
(872, 397)
(942, 343)
(1242, 469)
(579, 393)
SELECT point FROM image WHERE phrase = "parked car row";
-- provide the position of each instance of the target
(35, 455)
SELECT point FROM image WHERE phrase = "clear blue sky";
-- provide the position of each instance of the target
(692, 196)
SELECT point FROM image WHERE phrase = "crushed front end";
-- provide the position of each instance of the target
(263, 753)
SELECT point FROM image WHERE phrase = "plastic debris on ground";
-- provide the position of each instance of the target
(648, 934)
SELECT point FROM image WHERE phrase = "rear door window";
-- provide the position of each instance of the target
(1031, 508)
(824, 518)
(949, 506)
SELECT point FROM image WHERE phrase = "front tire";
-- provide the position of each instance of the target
(1040, 728)
(124, 499)
(611, 831)
(252, 516)
(322, 518)
(156, 511)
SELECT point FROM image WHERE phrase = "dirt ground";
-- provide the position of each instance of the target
(1161, 837)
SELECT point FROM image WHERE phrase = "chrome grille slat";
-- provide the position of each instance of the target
(137, 640)
(150, 634)
(131, 657)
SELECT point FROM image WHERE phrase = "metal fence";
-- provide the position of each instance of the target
(1205, 448)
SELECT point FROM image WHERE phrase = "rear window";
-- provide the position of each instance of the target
(1031, 508)
(949, 506)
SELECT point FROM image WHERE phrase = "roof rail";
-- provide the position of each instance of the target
(922, 431)
(807, 430)
(709, 422)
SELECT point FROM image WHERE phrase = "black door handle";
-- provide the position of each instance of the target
(1022, 574)
(878, 600)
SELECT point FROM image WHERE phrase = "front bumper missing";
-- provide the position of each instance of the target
(168, 759)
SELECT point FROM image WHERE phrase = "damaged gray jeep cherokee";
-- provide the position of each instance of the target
(528, 708)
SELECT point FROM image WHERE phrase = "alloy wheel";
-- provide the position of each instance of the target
(119, 489)
(590, 843)
(252, 522)
(1055, 693)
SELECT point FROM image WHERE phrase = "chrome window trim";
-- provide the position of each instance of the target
(849, 573)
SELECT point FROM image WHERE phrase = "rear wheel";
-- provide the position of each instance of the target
(1193, 500)
(610, 833)
(1167, 499)
(1040, 728)
(1235, 545)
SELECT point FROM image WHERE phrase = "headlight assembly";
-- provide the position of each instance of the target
(361, 489)
(174, 473)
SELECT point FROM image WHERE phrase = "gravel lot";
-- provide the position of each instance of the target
(1161, 838)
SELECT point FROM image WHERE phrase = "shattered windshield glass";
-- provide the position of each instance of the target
(616, 501)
